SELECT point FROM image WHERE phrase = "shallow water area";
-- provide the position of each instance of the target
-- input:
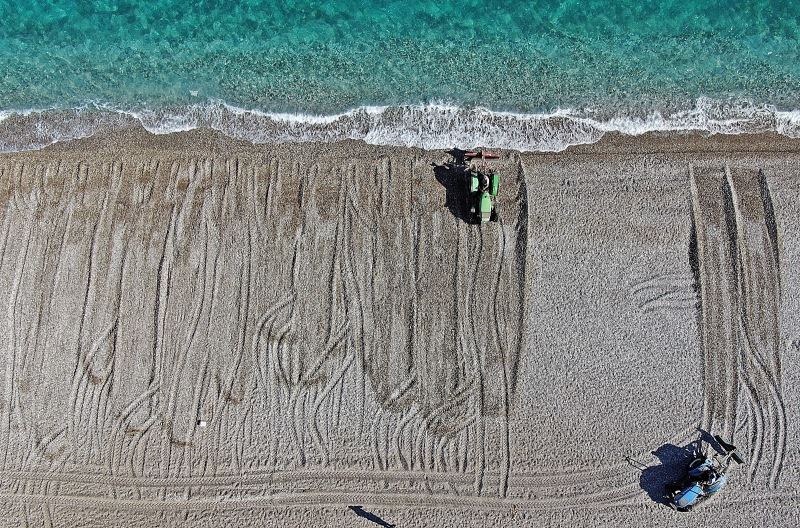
(425, 66)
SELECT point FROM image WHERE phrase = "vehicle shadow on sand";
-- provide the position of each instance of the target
(673, 465)
(452, 175)
(673, 461)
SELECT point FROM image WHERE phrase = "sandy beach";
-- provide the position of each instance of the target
(205, 332)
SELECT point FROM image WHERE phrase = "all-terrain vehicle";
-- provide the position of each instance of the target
(484, 184)
(705, 476)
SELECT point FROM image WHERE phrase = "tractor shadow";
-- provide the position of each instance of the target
(452, 175)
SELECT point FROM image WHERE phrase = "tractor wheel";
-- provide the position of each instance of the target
(493, 217)
(696, 462)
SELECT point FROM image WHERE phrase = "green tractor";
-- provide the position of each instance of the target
(483, 187)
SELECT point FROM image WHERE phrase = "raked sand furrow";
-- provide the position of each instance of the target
(759, 291)
(192, 324)
(719, 298)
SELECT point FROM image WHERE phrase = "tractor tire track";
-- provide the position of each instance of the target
(718, 310)
(450, 437)
(317, 499)
(759, 291)
(545, 492)
(739, 278)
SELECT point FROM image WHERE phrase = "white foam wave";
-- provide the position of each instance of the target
(431, 126)
(33, 129)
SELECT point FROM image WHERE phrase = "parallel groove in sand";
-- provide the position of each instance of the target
(152, 232)
(328, 325)
(739, 280)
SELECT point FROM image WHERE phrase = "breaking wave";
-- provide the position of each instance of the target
(430, 126)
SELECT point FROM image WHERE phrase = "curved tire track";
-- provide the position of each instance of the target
(739, 277)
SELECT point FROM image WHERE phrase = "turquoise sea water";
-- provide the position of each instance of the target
(177, 65)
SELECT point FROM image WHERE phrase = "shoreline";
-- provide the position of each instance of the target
(429, 126)
(205, 141)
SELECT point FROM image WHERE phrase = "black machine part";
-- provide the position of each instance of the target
(728, 449)
(483, 182)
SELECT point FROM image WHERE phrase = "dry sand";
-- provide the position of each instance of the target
(348, 340)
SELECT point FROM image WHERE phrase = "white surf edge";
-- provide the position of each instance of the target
(429, 126)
